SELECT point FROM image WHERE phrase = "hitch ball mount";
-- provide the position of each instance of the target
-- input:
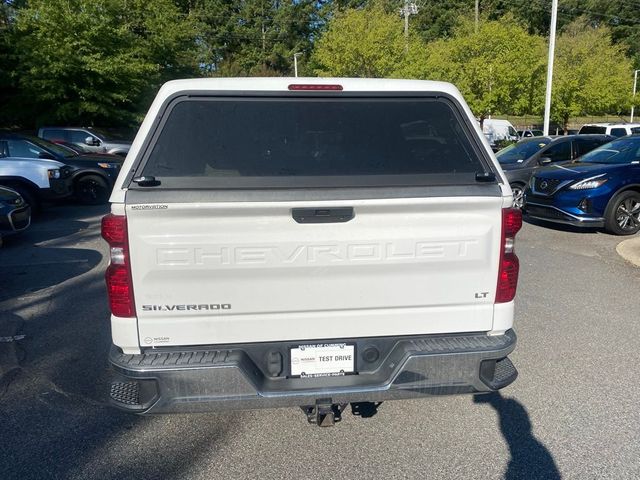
(326, 414)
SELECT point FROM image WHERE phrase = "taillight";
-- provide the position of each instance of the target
(509, 264)
(118, 276)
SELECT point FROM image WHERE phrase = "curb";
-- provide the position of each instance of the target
(630, 250)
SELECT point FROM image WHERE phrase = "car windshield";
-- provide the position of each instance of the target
(519, 152)
(618, 151)
(53, 147)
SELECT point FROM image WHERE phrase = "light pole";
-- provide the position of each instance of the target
(295, 63)
(633, 101)
(409, 8)
(552, 47)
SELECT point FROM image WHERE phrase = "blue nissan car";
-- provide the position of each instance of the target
(599, 189)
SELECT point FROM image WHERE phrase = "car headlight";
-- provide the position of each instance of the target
(108, 165)
(588, 183)
(54, 173)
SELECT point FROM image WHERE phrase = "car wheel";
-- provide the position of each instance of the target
(518, 195)
(91, 190)
(623, 214)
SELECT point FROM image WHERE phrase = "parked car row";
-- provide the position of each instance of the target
(40, 170)
(500, 132)
(599, 189)
(34, 171)
(520, 160)
(586, 180)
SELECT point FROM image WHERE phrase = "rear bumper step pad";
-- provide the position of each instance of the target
(242, 377)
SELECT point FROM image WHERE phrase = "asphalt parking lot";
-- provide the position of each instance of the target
(572, 413)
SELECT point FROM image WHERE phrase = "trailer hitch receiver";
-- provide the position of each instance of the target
(324, 413)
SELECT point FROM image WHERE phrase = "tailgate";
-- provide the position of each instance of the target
(217, 256)
(219, 273)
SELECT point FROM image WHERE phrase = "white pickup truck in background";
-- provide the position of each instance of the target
(309, 242)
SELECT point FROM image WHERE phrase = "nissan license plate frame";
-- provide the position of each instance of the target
(322, 360)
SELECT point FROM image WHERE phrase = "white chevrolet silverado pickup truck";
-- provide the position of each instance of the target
(312, 242)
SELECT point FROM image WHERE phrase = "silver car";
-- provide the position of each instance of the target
(90, 139)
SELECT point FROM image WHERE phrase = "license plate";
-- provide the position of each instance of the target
(322, 360)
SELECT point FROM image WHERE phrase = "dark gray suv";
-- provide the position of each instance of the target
(522, 159)
(90, 139)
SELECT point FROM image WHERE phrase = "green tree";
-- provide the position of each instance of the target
(91, 61)
(591, 74)
(621, 18)
(534, 15)
(438, 18)
(365, 42)
(499, 69)
(7, 61)
(255, 37)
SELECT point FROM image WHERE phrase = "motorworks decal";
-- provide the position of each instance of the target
(149, 207)
(184, 307)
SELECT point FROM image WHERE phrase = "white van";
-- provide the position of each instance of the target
(496, 130)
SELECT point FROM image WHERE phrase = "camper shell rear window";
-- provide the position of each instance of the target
(297, 141)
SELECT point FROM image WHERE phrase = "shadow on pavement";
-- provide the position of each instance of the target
(11, 352)
(41, 258)
(55, 421)
(45, 268)
(530, 459)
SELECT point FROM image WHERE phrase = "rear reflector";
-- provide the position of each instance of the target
(114, 229)
(118, 275)
(296, 86)
(120, 291)
(511, 222)
(509, 267)
(508, 278)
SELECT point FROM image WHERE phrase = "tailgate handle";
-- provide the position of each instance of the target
(323, 215)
